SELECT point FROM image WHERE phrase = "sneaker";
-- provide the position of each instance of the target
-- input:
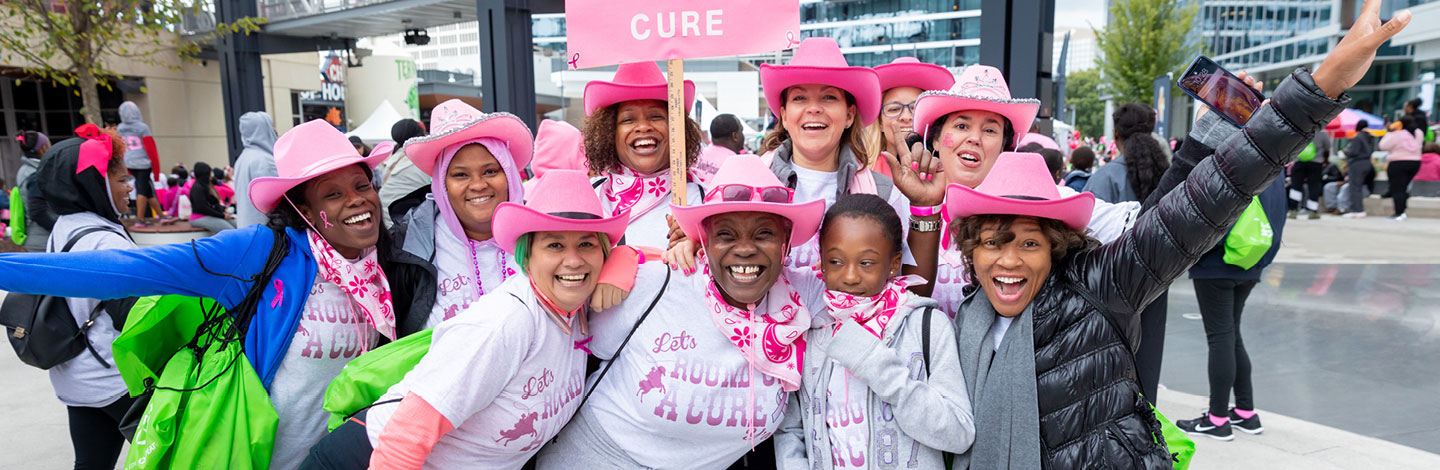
(1203, 427)
(1398, 218)
(1354, 215)
(1291, 215)
(1251, 426)
(1314, 215)
(141, 225)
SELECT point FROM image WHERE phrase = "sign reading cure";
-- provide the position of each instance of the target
(609, 32)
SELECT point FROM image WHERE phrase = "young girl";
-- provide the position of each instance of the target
(872, 394)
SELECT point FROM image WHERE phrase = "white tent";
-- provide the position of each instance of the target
(376, 128)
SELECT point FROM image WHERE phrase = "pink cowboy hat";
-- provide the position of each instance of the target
(563, 202)
(382, 151)
(749, 170)
(1042, 139)
(634, 81)
(558, 146)
(818, 60)
(909, 71)
(306, 151)
(454, 122)
(1020, 184)
(982, 88)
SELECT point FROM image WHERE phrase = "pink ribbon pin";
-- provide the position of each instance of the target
(573, 59)
(581, 345)
(790, 40)
(279, 294)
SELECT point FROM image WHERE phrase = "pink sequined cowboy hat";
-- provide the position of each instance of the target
(1020, 184)
(909, 71)
(982, 88)
(819, 60)
(634, 81)
(558, 146)
(306, 151)
(563, 202)
(455, 122)
(749, 170)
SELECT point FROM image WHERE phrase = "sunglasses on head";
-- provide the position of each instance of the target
(746, 193)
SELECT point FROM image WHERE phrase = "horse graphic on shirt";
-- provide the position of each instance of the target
(652, 382)
(524, 427)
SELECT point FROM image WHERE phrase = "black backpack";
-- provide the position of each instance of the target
(42, 329)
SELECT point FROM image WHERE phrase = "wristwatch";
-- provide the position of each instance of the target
(924, 225)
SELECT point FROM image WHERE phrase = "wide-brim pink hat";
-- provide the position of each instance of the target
(1020, 184)
(306, 151)
(563, 202)
(454, 122)
(819, 61)
(634, 81)
(909, 71)
(749, 170)
(1042, 139)
(979, 88)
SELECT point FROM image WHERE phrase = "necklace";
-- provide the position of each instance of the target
(475, 265)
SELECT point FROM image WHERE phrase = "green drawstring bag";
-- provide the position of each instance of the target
(155, 330)
(17, 217)
(1179, 445)
(369, 376)
(1250, 238)
(1307, 154)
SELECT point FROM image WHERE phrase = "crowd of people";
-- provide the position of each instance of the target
(900, 274)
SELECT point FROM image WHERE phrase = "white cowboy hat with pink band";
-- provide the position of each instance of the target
(819, 61)
(749, 170)
(306, 151)
(455, 122)
(1020, 184)
(982, 88)
(563, 202)
(635, 81)
(911, 72)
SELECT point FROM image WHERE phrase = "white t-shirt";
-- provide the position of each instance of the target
(83, 381)
(456, 272)
(845, 404)
(330, 335)
(651, 229)
(998, 329)
(678, 396)
(1107, 222)
(811, 185)
(502, 373)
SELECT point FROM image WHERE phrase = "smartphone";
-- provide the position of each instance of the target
(1225, 93)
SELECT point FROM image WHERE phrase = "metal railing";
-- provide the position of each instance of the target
(279, 10)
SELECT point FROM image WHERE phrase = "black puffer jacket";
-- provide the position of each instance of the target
(1087, 319)
(410, 267)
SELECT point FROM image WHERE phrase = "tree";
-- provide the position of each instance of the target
(71, 41)
(1082, 90)
(1144, 40)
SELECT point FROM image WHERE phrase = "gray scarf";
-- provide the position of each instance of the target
(1002, 388)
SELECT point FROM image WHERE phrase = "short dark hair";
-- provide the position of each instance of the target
(866, 206)
(1361, 125)
(404, 130)
(1082, 158)
(724, 125)
(1054, 161)
(1415, 103)
(1063, 239)
(933, 132)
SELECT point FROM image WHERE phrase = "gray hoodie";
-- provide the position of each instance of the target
(257, 133)
(913, 418)
(132, 128)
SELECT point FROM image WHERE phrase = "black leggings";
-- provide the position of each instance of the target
(95, 434)
(1152, 346)
(1221, 302)
(1400, 174)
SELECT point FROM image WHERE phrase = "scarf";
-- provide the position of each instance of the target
(629, 190)
(563, 319)
(1002, 388)
(461, 242)
(872, 313)
(778, 323)
(362, 280)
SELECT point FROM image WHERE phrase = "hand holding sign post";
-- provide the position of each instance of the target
(620, 31)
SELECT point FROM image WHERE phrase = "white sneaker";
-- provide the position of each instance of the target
(1398, 218)
(1353, 215)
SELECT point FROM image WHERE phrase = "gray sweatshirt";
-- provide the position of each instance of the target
(257, 132)
(912, 418)
(132, 128)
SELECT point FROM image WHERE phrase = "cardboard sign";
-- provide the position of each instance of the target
(609, 32)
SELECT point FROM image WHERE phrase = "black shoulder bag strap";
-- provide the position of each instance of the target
(84, 333)
(611, 362)
(925, 338)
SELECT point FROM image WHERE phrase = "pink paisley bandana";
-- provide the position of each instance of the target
(872, 313)
(780, 330)
(628, 190)
(362, 280)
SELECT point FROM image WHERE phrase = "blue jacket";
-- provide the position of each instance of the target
(1213, 265)
(229, 260)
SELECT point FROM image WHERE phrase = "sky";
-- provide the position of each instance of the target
(1079, 13)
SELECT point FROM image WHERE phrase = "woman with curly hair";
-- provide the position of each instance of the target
(627, 142)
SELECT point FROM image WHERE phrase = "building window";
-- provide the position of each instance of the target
(450, 52)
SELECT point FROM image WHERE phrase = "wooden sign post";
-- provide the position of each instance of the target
(675, 98)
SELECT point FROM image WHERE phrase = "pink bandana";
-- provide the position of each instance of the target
(368, 287)
(872, 313)
(781, 330)
(628, 190)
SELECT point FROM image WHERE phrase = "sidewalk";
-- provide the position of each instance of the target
(1290, 443)
(1372, 240)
